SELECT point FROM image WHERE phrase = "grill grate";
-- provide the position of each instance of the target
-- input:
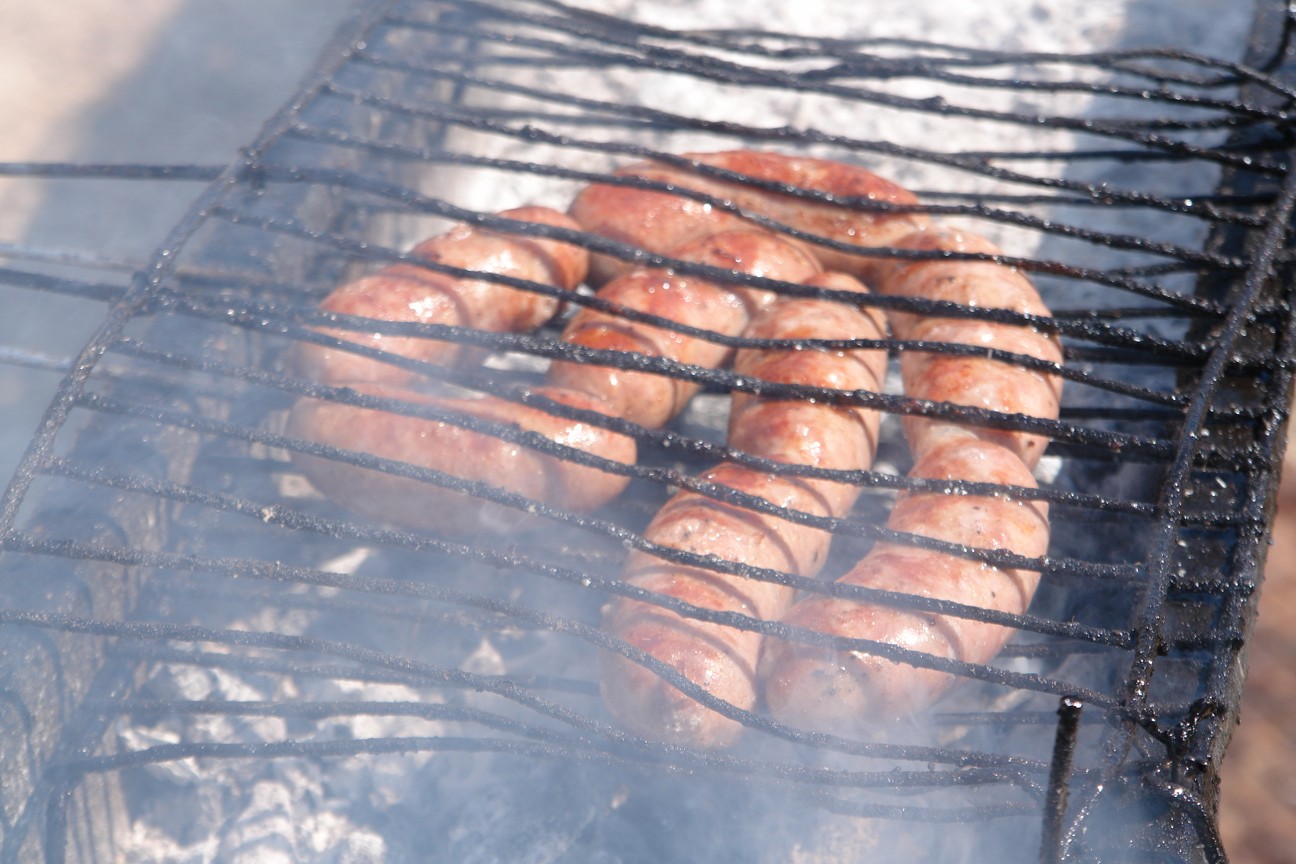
(212, 623)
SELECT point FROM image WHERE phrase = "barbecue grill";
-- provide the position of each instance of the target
(198, 642)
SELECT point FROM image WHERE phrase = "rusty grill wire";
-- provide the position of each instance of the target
(156, 523)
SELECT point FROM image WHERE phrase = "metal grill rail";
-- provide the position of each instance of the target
(156, 524)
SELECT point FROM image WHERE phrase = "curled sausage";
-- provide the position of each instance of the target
(840, 691)
(658, 221)
(719, 658)
(408, 293)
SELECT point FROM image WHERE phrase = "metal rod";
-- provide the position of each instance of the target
(1055, 801)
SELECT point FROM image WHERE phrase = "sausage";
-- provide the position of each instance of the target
(848, 691)
(648, 399)
(659, 221)
(408, 293)
(723, 659)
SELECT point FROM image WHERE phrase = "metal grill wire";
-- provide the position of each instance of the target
(156, 533)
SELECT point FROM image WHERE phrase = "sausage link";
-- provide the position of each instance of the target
(847, 691)
(723, 659)
(659, 221)
(408, 293)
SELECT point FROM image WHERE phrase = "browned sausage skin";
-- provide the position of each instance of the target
(719, 658)
(847, 691)
(657, 221)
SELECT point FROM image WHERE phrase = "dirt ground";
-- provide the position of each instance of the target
(1258, 796)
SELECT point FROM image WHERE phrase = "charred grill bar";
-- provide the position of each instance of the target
(183, 613)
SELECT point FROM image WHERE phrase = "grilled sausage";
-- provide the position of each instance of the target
(659, 221)
(723, 659)
(846, 691)
(648, 399)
